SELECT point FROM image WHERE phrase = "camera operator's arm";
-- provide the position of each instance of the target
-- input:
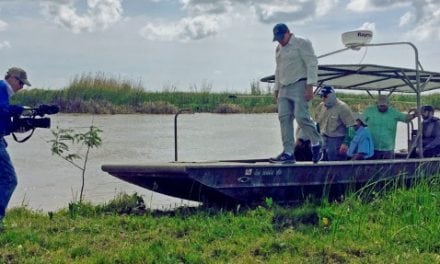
(11, 110)
(7, 109)
(15, 110)
(7, 112)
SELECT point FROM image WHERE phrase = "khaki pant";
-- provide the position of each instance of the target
(291, 105)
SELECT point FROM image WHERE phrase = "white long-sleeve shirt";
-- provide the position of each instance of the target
(295, 61)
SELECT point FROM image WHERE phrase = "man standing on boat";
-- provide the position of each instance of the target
(382, 121)
(14, 81)
(295, 75)
(335, 119)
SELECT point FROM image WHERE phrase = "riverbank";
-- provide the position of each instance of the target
(102, 95)
(401, 226)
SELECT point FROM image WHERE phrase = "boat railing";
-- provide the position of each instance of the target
(186, 110)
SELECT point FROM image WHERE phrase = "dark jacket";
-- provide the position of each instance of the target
(431, 133)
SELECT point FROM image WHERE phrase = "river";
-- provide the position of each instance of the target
(46, 182)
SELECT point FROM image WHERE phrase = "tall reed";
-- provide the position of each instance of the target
(100, 94)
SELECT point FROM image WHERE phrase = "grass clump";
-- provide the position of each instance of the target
(228, 109)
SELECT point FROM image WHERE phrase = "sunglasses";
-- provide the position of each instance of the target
(19, 81)
(323, 96)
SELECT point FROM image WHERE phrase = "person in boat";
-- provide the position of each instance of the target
(361, 146)
(431, 132)
(295, 75)
(14, 81)
(382, 121)
(335, 119)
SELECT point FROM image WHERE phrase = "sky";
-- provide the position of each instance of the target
(195, 45)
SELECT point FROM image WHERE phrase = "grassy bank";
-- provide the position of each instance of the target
(401, 226)
(103, 95)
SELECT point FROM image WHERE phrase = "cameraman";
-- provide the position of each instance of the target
(14, 81)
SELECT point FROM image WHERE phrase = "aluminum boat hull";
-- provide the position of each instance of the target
(252, 181)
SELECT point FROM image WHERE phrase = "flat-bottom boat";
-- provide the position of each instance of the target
(252, 181)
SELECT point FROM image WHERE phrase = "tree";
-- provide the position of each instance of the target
(64, 139)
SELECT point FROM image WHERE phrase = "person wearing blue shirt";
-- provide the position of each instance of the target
(361, 146)
(14, 81)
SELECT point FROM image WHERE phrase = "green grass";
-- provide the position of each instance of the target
(99, 94)
(400, 226)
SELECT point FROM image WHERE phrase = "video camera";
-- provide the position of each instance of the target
(32, 118)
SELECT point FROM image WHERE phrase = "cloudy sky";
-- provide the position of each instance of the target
(190, 44)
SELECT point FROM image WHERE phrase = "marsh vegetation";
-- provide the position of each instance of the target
(99, 94)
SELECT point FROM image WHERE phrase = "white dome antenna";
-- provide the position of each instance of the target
(354, 39)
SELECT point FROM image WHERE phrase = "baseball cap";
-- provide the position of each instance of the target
(360, 117)
(428, 108)
(382, 100)
(18, 73)
(279, 30)
(325, 90)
